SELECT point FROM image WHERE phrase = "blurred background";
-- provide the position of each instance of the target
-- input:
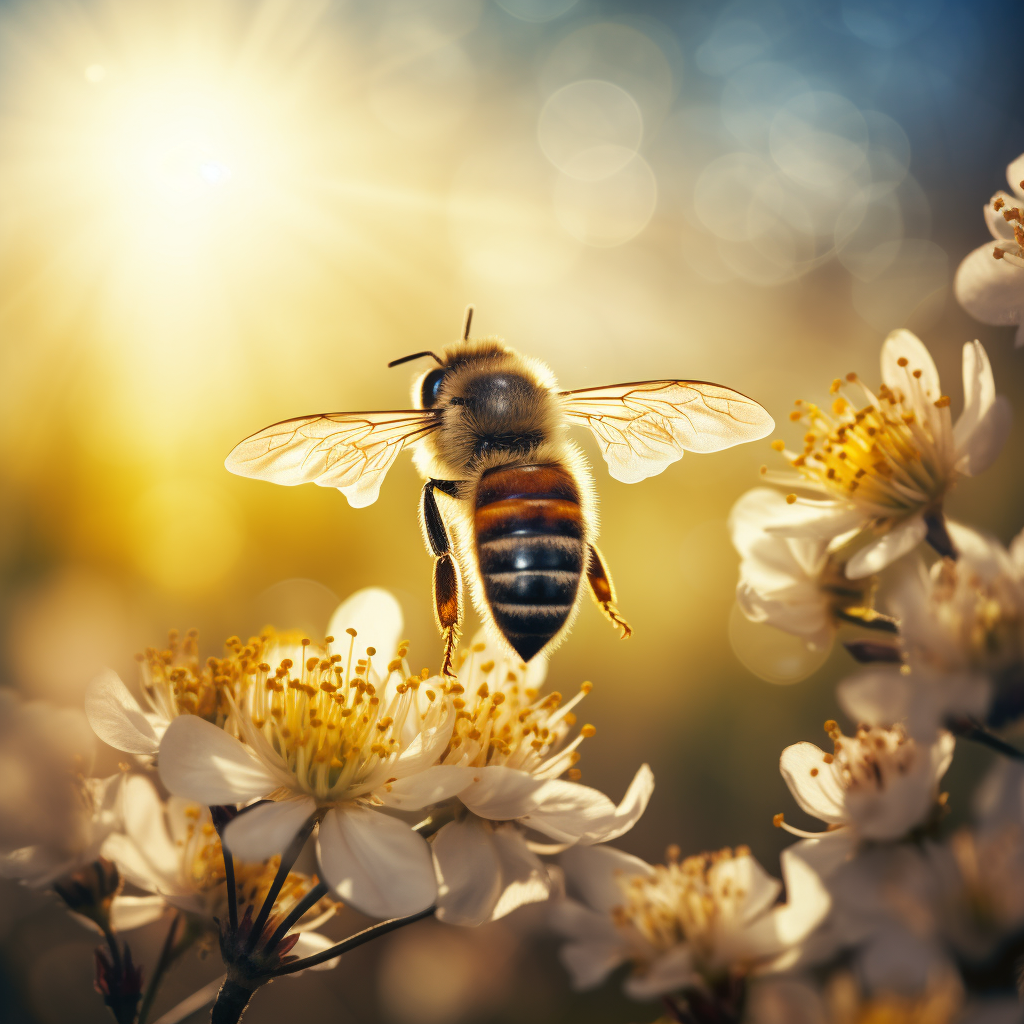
(221, 213)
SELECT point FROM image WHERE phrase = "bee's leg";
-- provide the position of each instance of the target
(447, 584)
(603, 589)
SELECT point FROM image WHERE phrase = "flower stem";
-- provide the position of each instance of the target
(313, 896)
(288, 858)
(167, 955)
(969, 729)
(231, 1002)
(368, 934)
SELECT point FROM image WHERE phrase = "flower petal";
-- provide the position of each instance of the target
(430, 786)
(468, 872)
(672, 971)
(127, 912)
(998, 225)
(904, 344)
(589, 963)
(155, 860)
(593, 872)
(1014, 174)
(524, 879)
(982, 446)
(376, 617)
(899, 541)
(115, 716)
(990, 290)
(377, 864)
(261, 831)
(629, 811)
(813, 783)
(200, 762)
(502, 794)
(979, 389)
(568, 811)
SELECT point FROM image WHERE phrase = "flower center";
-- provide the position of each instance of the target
(872, 758)
(683, 901)
(888, 455)
(1012, 252)
(176, 683)
(502, 721)
(333, 723)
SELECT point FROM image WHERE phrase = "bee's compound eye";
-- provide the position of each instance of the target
(432, 387)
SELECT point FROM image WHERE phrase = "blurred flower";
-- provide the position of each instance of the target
(172, 850)
(508, 750)
(792, 582)
(967, 616)
(53, 819)
(886, 467)
(324, 744)
(174, 682)
(989, 283)
(696, 927)
(878, 785)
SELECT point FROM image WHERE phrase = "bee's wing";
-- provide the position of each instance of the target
(646, 426)
(348, 450)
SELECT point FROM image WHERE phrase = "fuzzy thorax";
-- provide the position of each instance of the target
(492, 398)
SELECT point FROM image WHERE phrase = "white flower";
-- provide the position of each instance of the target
(504, 762)
(688, 925)
(53, 819)
(878, 785)
(884, 464)
(173, 852)
(989, 283)
(326, 737)
(967, 617)
(176, 682)
(789, 582)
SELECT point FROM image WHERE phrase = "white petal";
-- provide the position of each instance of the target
(807, 899)
(823, 520)
(524, 879)
(376, 617)
(589, 963)
(376, 863)
(200, 762)
(997, 224)
(903, 344)
(979, 390)
(982, 446)
(819, 794)
(468, 872)
(990, 290)
(669, 973)
(629, 811)
(146, 826)
(115, 716)
(568, 811)
(261, 831)
(594, 873)
(502, 794)
(1014, 174)
(309, 944)
(127, 912)
(430, 786)
(899, 541)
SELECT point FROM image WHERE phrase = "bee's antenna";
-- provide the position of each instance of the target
(466, 322)
(415, 355)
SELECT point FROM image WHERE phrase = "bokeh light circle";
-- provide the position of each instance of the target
(590, 129)
(772, 655)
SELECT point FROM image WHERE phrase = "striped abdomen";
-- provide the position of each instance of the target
(530, 548)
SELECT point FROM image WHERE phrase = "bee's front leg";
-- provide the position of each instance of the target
(603, 589)
(447, 583)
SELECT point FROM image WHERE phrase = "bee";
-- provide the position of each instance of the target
(489, 433)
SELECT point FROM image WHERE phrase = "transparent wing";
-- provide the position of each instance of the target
(646, 426)
(348, 450)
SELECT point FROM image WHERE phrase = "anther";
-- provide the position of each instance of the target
(779, 446)
(778, 819)
(790, 499)
(351, 631)
(587, 731)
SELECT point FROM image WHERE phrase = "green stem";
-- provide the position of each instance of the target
(231, 1002)
(368, 934)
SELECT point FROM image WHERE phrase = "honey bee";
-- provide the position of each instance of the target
(489, 430)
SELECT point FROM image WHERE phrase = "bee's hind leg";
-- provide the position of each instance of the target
(603, 589)
(447, 583)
